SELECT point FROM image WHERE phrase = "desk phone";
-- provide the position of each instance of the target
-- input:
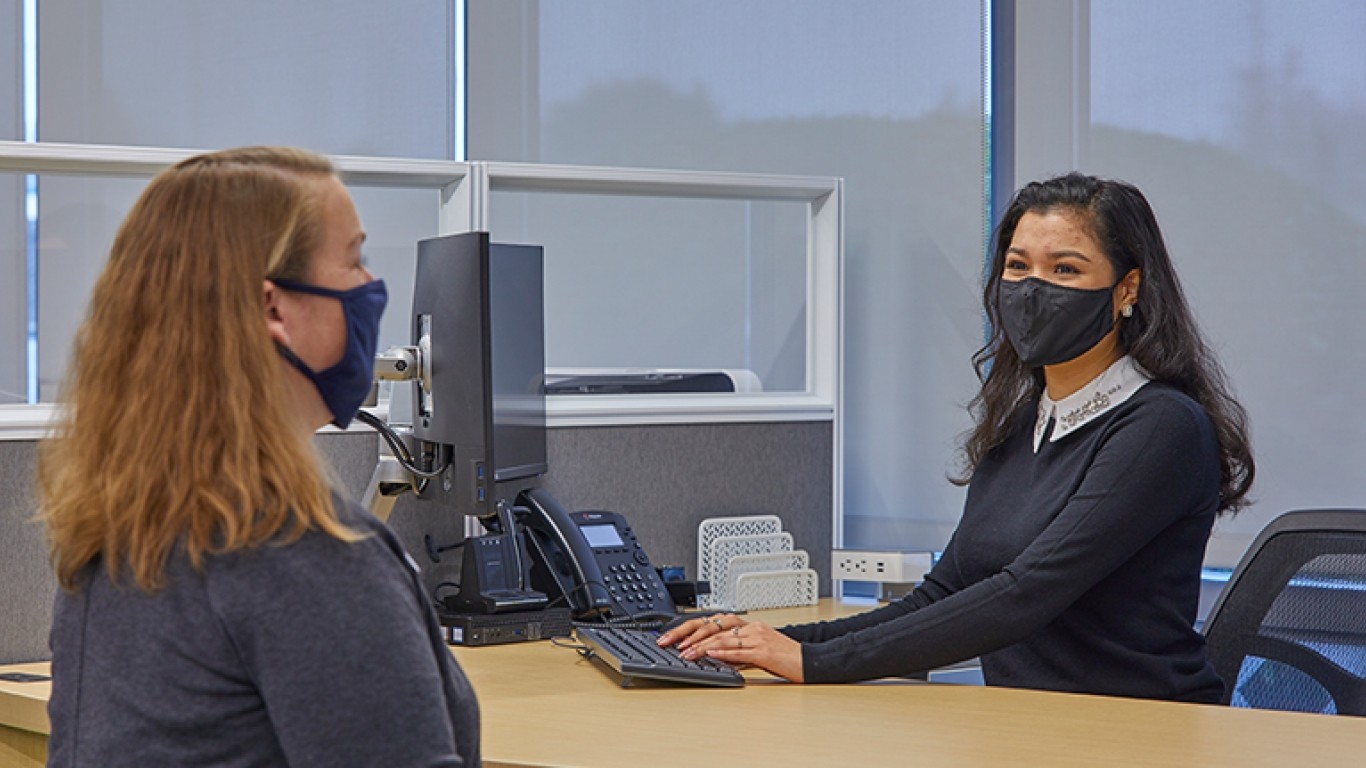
(593, 559)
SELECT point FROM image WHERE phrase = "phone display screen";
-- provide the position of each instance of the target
(599, 536)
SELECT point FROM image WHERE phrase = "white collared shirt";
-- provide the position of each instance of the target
(1102, 394)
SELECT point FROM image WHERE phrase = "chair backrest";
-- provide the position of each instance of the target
(1289, 629)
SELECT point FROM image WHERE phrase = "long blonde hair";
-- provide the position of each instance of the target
(176, 430)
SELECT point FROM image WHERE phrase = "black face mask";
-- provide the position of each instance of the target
(1048, 323)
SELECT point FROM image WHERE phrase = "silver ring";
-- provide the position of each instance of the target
(736, 632)
(715, 621)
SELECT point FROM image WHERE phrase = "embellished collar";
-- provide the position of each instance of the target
(1105, 392)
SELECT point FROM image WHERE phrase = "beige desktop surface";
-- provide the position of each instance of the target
(23, 718)
(24, 705)
(544, 705)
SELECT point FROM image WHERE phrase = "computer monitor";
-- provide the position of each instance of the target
(478, 317)
(517, 344)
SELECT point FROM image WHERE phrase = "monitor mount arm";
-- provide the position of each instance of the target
(389, 481)
(394, 475)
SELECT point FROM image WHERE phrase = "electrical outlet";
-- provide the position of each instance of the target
(891, 567)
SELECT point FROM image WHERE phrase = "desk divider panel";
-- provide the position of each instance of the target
(665, 479)
(27, 584)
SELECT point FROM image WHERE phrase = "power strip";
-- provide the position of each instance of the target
(890, 567)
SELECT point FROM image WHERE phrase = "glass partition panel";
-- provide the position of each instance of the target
(394, 220)
(347, 77)
(14, 300)
(13, 240)
(77, 221)
(664, 283)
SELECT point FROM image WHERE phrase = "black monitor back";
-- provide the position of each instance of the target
(478, 315)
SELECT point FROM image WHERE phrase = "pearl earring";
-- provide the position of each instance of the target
(1127, 310)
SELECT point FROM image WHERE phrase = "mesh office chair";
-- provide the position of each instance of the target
(1289, 630)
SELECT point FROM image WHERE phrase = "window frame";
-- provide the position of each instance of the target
(823, 196)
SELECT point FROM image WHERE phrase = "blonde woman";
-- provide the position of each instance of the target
(220, 604)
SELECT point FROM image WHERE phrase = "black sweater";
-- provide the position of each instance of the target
(1076, 568)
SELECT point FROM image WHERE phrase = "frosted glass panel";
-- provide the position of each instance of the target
(11, 70)
(345, 76)
(883, 93)
(79, 217)
(1242, 121)
(13, 291)
(76, 225)
(635, 282)
(13, 272)
(394, 220)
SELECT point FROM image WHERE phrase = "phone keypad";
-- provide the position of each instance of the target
(636, 588)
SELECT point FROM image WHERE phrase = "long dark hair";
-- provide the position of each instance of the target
(1161, 336)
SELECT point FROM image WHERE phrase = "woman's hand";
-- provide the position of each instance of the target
(729, 638)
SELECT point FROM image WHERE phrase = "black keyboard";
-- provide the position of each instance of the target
(632, 653)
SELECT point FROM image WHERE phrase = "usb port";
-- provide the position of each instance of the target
(479, 471)
(479, 494)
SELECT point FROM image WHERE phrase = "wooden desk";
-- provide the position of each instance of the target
(23, 718)
(546, 706)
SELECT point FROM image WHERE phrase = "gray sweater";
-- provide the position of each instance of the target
(319, 653)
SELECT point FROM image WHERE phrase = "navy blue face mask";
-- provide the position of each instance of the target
(345, 385)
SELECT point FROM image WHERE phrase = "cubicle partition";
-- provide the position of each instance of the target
(665, 461)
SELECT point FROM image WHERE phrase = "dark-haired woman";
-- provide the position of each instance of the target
(1106, 442)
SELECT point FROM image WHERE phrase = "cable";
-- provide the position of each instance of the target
(580, 647)
(396, 446)
(434, 550)
(439, 602)
(647, 620)
(643, 620)
(581, 586)
(553, 603)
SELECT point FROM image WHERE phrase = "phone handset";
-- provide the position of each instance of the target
(570, 555)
